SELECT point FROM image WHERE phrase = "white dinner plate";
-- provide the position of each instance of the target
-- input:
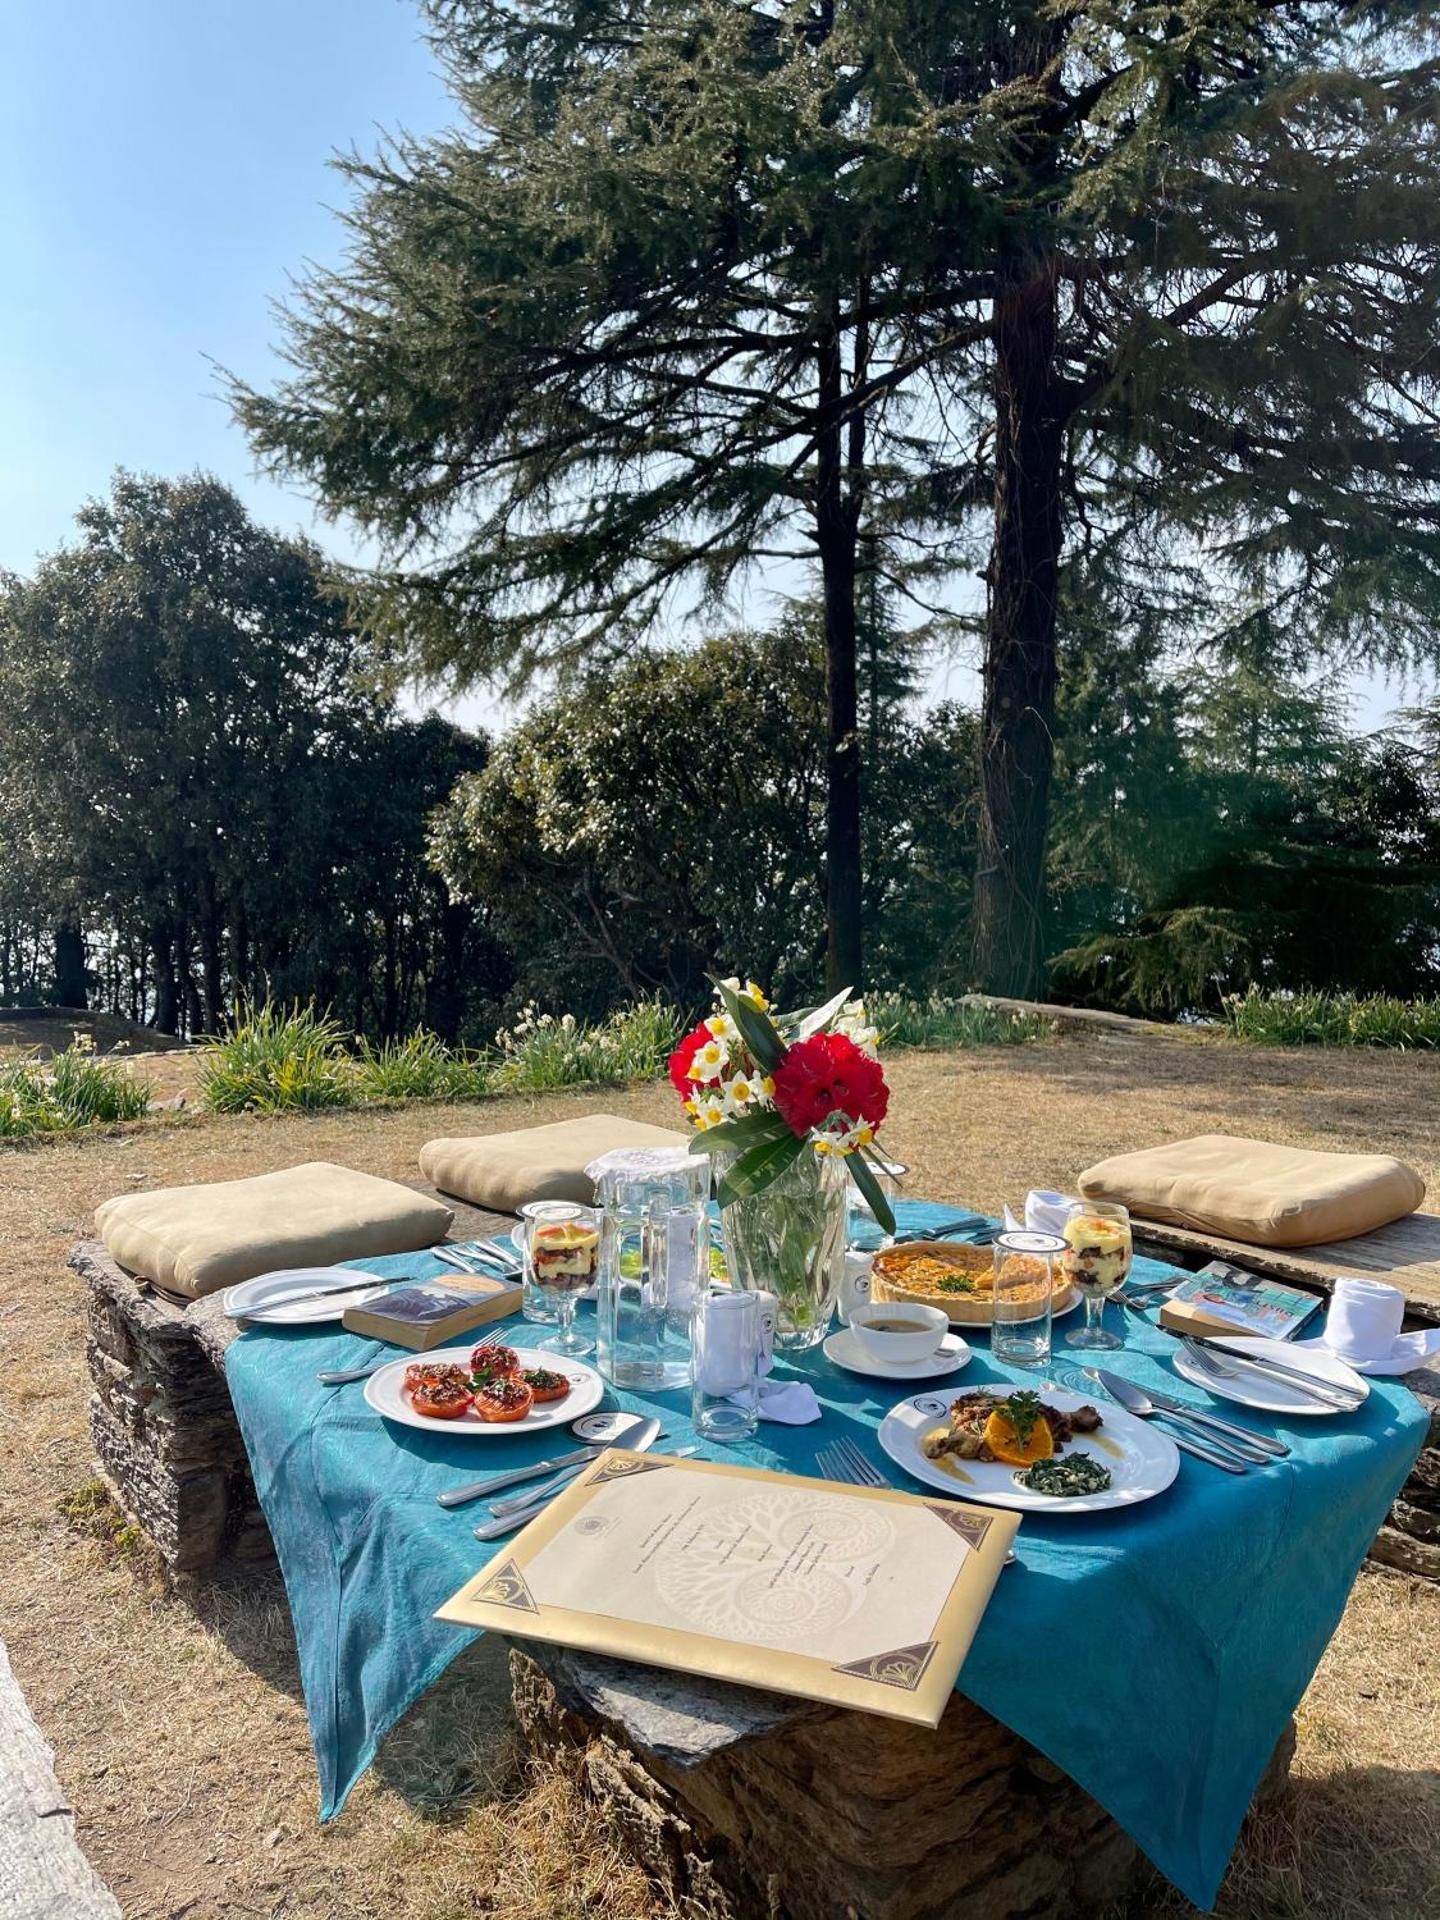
(385, 1392)
(1141, 1459)
(1272, 1396)
(845, 1350)
(264, 1297)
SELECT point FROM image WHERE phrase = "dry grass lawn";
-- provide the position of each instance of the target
(175, 1717)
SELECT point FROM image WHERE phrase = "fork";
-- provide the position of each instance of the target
(1209, 1362)
(843, 1460)
(337, 1376)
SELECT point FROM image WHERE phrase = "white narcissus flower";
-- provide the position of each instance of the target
(741, 1093)
(723, 1028)
(709, 1109)
(710, 1061)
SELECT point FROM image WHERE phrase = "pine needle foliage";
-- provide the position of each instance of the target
(695, 286)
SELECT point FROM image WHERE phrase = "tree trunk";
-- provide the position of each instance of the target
(70, 983)
(167, 1005)
(1017, 715)
(212, 958)
(835, 526)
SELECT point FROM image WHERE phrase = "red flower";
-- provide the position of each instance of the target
(828, 1074)
(681, 1058)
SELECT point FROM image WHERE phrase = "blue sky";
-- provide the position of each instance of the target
(163, 170)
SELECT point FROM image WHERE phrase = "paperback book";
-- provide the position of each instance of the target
(432, 1313)
(1223, 1298)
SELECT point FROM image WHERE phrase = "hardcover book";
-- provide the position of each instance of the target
(431, 1313)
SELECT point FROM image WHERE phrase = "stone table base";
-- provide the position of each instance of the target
(743, 1804)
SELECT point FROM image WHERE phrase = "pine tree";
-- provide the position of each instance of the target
(697, 286)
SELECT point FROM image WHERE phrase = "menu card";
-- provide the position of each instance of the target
(859, 1596)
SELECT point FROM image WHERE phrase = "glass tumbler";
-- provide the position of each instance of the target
(1097, 1256)
(862, 1230)
(561, 1246)
(1023, 1294)
(537, 1306)
(729, 1347)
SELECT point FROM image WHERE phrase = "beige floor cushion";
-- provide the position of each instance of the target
(504, 1170)
(195, 1239)
(1249, 1190)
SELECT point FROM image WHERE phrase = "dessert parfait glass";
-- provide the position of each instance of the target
(1097, 1256)
(562, 1251)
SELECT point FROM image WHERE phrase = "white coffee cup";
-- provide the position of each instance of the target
(893, 1332)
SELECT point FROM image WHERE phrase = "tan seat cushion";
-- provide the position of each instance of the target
(1265, 1195)
(195, 1239)
(504, 1170)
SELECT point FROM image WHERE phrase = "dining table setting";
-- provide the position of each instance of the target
(1131, 1547)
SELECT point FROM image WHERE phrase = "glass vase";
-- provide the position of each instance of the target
(790, 1241)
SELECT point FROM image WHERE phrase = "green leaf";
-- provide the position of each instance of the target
(736, 1135)
(810, 1020)
(865, 1180)
(755, 1170)
(756, 1029)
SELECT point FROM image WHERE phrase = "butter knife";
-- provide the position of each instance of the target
(521, 1515)
(641, 1433)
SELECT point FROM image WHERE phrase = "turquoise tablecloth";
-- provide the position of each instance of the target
(1154, 1654)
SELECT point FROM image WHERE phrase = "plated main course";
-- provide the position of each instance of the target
(494, 1386)
(1023, 1431)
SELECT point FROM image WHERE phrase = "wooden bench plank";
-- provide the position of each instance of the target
(1407, 1254)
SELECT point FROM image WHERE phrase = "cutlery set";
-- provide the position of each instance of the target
(1224, 1363)
(1220, 1442)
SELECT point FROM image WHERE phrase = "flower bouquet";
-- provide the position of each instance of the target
(790, 1105)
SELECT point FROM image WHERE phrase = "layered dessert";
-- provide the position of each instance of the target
(1097, 1252)
(564, 1255)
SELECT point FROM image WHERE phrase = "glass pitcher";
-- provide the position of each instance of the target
(654, 1260)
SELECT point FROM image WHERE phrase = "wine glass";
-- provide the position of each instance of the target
(562, 1247)
(1097, 1256)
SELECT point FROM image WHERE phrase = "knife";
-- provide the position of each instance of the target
(1276, 1448)
(521, 1513)
(318, 1293)
(1229, 1439)
(641, 1434)
(1231, 1462)
(1332, 1392)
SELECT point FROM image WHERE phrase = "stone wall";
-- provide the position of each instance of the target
(741, 1805)
(161, 1419)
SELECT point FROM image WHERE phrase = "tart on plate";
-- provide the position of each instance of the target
(955, 1277)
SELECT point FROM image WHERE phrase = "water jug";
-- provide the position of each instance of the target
(654, 1258)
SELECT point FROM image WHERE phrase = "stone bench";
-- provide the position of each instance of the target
(161, 1419)
(741, 1804)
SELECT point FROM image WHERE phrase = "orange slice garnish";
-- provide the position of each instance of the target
(1005, 1443)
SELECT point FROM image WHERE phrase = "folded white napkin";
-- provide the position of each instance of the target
(1362, 1327)
(1045, 1211)
(791, 1402)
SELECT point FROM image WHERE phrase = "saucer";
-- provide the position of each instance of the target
(846, 1351)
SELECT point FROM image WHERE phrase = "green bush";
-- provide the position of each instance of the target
(541, 1053)
(421, 1067)
(940, 1022)
(73, 1090)
(1333, 1020)
(276, 1059)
